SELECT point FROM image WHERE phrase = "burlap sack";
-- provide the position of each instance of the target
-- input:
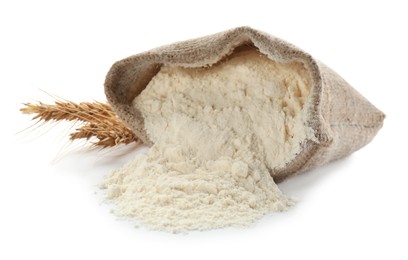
(343, 120)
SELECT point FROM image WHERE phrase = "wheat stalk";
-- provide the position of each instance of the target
(99, 121)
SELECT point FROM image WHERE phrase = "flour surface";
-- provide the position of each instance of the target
(217, 133)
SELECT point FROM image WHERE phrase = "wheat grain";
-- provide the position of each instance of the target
(98, 119)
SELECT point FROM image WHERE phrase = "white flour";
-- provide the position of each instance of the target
(216, 132)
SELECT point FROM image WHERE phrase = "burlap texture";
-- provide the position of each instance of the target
(343, 120)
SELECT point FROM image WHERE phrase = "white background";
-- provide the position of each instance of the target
(50, 205)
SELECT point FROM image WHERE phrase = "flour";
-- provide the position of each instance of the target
(217, 134)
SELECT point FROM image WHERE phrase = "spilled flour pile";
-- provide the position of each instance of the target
(217, 132)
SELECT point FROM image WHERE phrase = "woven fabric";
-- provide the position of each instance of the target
(343, 120)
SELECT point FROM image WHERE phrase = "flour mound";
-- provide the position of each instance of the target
(217, 134)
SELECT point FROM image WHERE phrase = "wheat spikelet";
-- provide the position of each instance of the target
(108, 135)
(99, 121)
(70, 111)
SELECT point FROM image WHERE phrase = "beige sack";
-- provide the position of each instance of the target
(342, 119)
